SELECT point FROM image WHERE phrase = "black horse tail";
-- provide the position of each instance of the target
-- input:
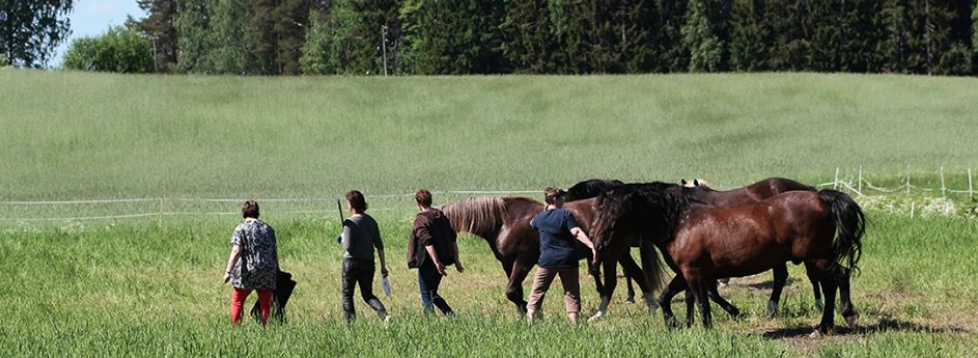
(850, 224)
(651, 265)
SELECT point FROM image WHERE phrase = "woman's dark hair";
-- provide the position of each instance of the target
(423, 197)
(355, 197)
(250, 209)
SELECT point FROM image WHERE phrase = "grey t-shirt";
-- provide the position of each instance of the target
(360, 236)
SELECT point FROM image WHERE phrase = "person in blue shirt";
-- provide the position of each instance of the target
(559, 236)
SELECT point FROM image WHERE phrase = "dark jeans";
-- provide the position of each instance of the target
(359, 272)
(428, 281)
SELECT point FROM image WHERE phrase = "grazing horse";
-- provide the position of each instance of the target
(504, 222)
(702, 243)
(700, 191)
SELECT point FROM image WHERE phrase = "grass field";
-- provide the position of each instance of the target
(146, 288)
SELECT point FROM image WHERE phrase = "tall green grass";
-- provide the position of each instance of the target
(139, 289)
(82, 135)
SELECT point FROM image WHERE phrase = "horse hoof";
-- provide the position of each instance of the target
(852, 321)
(597, 316)
(630, 300)
(772, 309)
(819, 305)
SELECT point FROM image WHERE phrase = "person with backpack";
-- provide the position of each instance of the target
(432, 247)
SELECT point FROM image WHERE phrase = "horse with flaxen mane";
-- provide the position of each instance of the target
(504, 222)
(702, 243)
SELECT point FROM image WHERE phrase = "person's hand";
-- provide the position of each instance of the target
(440, 268)
(227, 277)
(459, 268)
(384, 272)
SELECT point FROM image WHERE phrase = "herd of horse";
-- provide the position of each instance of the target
(702, 234)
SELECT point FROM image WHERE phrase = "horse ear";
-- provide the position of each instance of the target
(682, 182)
(696, 182)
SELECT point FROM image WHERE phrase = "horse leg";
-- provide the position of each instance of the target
(690, 307)
(634, 272)
(846, 308)
(698, 287)
(631, 290)
(827, 279)
(678, 284)
(514, 289)
(780, 278)
(819, 304)
(726, 305)
(611, 280)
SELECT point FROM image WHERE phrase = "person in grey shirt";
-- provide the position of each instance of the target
(360, 236)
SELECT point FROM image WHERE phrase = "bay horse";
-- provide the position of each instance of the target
(702, 243)
(767, 188)
(504, 222)
(699, 191)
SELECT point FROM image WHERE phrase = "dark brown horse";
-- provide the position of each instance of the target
(749, 194)
(702, 243)
(758, 191)
(504, 222)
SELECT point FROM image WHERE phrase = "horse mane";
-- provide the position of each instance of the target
(591, 188)
(478, 215)
(653, 209)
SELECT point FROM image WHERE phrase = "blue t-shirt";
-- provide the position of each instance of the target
(558, 247)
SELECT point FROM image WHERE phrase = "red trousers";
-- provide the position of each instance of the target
(238, 297)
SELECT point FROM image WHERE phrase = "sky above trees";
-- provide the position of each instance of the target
(93, 17)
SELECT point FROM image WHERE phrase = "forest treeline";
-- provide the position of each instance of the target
(406, 37)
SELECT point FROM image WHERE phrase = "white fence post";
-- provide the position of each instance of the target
(162, 199)
(835, 184)
(912, 207)
(971, 191)
(908, 181)
(943, 188)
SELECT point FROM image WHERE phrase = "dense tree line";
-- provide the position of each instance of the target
(286, 37)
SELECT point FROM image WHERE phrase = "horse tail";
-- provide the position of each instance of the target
(850, 225)
(482, 215)
(651, 265)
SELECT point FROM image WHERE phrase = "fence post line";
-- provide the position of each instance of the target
(859, 186)
(912, 204)
(835, 183)
(943, 188)
(908, 181)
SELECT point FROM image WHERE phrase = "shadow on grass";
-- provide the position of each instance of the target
(769, 284)
(884, 325)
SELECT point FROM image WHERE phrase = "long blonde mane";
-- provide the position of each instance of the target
(479, 215)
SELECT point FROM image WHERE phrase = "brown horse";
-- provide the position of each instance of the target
(749, 194)
(702, 243)
(504, 222)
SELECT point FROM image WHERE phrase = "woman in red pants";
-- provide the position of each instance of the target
(253, 264)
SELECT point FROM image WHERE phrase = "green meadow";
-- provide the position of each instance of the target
(151, 286)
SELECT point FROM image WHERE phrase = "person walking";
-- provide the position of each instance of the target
(432, 247)
(253, 263)
(559, 235)
(360, 236)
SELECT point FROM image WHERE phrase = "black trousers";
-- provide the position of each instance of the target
(359, 272)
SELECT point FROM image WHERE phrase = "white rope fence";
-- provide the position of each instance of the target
(165, 201)
(858, 185)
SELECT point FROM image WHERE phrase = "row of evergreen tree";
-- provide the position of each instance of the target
(274, 37)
